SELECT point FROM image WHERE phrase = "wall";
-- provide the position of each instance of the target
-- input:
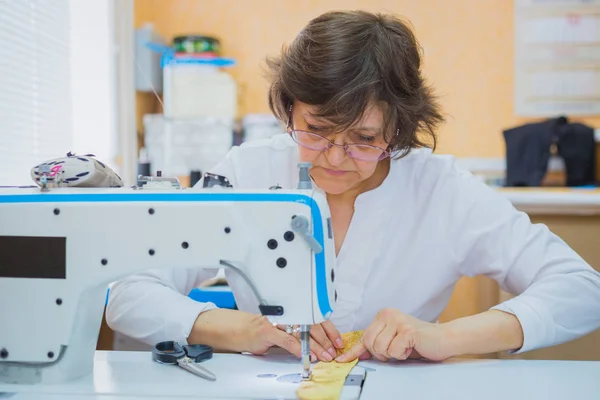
(468, 53)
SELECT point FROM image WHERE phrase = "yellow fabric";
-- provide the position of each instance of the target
(328, 378)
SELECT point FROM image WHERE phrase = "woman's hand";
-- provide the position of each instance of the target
(238, 331)
(395, 335)
(324, 339)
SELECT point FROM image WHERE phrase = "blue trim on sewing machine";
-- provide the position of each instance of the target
(321, 274)
(221, 297)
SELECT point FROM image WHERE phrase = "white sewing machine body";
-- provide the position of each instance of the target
(69, 244)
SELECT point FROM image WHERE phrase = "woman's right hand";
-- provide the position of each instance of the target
(324, 340)
(238, 331)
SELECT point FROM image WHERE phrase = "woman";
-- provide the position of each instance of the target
(407, 224)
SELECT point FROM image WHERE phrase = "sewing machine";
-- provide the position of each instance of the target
(61, 247)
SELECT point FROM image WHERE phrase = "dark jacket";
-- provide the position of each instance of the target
(528, 152)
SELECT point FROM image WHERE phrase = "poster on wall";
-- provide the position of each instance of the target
(557, 58)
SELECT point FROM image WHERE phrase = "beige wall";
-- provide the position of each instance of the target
(468, 53)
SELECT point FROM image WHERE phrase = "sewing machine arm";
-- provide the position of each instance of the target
(62, 248)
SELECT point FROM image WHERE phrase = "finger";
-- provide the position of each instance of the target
(333, 334)
(401, 346)
(363, 344)
(285, 341)
(319, 335)
(355, 352)
(398, 348)
(315, 348)
(370, 336)
(284, 328)
(321, 353)
(379, 357)
(406, 354)
(383, 341)
(365, 356)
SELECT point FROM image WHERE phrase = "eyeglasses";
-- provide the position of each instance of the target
(362, 152)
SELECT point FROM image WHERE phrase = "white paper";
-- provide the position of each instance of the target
(557, 57)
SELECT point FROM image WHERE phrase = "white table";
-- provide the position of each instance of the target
(557, 201)
(485, 379)
(133, 375)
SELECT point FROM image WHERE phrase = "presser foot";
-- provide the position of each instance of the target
(306, 372)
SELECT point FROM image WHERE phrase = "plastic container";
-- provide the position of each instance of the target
(196, 87)
(177, 147)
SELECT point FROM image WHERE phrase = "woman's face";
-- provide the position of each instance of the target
(333, 170)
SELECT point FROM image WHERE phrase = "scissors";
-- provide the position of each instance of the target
(187, 357)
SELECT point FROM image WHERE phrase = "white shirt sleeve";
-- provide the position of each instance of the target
(154, 306)
(557, 292)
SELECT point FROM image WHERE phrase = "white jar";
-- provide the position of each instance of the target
(196, 90)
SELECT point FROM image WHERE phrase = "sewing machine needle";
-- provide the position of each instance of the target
(305, 343)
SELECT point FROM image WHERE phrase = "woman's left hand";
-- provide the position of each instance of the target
(395, 335)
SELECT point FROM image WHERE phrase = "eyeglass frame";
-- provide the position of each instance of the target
(290, 130)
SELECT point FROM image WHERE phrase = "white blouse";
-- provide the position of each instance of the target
(410, 240)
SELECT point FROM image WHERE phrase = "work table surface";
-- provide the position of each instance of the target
(127, 375)
(561, 201)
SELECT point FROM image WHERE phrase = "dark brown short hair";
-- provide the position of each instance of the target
(342, 62)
